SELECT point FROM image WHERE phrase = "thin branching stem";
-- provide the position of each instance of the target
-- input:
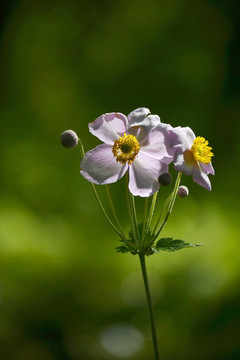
(104, 212)
(170, 206)
(149, 219)
(114, 212)
(98, 199)
(145, 217)
(134, 214)
(166, 204)
(130, 213)
(81, 147)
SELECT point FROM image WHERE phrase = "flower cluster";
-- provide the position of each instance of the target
(141, 144)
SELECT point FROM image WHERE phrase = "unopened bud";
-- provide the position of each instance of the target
(69, 139)
(165, 179)
(183, 191)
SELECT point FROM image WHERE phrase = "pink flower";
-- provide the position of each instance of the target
(137, 143)
(192, 156)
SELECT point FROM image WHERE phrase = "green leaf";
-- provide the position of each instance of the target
(168, 244)
(122, 249)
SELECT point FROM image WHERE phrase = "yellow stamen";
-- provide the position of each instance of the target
(201, 151)
(125, 149)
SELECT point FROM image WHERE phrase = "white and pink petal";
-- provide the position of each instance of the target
(208, 168)
(100, 167)
(184, 162)
(138, 116)
(143, 175)
(151, 121)
(181, 138)
(201, 178)
(109, 127)
(156, 144)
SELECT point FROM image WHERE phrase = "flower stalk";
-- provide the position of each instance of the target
(150, 306)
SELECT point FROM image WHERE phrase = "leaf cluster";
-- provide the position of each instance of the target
(134, 245)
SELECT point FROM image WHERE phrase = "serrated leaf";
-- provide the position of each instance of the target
(168, 244)
(122, 249)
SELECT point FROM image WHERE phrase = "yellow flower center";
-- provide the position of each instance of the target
(125, 149)
(201, 151)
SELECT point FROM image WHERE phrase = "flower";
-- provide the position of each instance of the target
(192, 155)
(137, 143)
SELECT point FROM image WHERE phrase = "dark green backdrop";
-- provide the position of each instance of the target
(65, 294)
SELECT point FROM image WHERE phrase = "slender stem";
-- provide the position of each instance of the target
(150, 306)
(129, 208)
(98, 199)
(104, 211)
(150, 216)
(134, 213)
(162, 212)
(145, 217)
(114, 212)
(170, 206)
(81, 147)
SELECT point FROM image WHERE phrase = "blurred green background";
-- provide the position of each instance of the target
(65, 294)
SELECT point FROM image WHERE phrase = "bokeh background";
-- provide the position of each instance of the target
(65, 294)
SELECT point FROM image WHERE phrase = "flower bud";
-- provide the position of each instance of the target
(69, 139)
(165, 179)
(183, 191)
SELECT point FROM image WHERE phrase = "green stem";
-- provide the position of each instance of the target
(145, 217)
(166, 205)
(97, 197)
(129, 208)
(134, 214)
(150, 306)
(104, 211)
(170, 206)
(150, 216)
(114, 212)
(81, 147)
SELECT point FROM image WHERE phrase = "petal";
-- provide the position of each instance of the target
(141, 129)
(184, 162)
(149, 122)
(201, 178)
(208, 168)
(181, 138)
(143, 175)
(190, 134)
(156, 144)
(109, 127)
(138, 115)
(100, 167)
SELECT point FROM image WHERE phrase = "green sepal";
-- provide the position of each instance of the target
(133, 243)
(122, 249)
(168, 244)
(127, 247)
(140, 231)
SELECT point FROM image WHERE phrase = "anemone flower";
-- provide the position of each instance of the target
(192, 155)
(138, 143)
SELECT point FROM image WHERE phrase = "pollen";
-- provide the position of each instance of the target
(125, 149)
(201, 151)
